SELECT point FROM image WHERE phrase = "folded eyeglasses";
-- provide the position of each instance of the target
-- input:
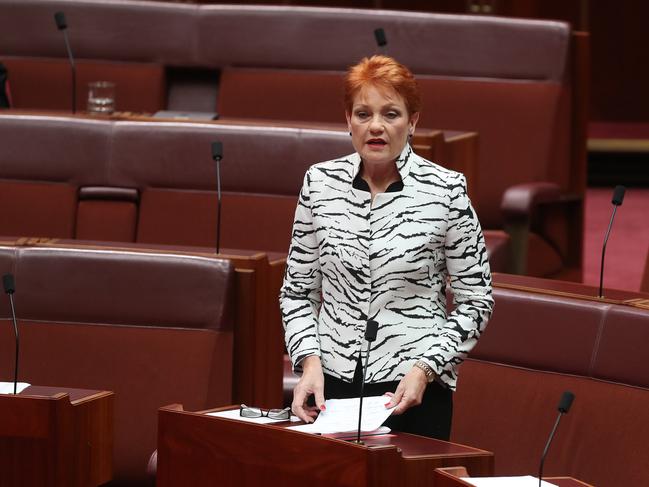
(252, 412)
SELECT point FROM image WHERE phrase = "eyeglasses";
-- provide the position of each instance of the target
(248, 412)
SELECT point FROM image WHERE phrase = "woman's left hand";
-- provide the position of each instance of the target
(410, 391)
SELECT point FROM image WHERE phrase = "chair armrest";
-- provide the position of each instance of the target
(544, 209)
(520, 201)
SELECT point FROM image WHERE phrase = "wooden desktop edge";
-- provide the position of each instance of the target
(475, 452)
(178, 408)
(635, 302)
(94, 394)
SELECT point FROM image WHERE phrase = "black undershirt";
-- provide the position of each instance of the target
(360, 184)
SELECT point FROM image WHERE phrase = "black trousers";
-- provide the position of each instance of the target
(432, 418)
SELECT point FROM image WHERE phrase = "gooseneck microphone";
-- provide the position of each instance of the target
(618, 198)
(370, 335)
(564, 406)
(217, 155)
(62, 25)
(10, 288)
(381, 39)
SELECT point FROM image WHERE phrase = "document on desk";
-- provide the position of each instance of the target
(8, 387)
(341, 415)
(523, 481)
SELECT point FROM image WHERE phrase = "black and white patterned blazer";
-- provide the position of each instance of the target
(352, 260)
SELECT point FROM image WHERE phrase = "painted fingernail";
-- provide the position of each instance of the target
(323, 408)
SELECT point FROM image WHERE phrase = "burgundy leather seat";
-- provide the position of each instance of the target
(152, 328)
(537, 345)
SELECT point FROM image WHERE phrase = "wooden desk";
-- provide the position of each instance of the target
(195, 449)
(56, 437)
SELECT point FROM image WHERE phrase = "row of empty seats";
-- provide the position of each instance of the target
(520, 84)
(161, 328)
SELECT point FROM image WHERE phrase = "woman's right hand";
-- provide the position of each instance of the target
(311, 382)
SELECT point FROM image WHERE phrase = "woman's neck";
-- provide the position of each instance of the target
(379, 176)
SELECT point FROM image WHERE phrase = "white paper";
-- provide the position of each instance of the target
(8, 387)
(524, 481)
(341, 415)
(234, 414)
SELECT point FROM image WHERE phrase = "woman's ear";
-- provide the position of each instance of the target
(414, 118)
(349, 121)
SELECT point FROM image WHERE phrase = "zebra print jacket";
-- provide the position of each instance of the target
(352, 260)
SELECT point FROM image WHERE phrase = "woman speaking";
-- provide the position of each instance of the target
(377, 235)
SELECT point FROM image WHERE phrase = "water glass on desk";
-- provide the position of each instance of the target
(101, 97)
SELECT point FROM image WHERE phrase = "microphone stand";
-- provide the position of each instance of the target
(370, 336)
(74, 71)
(618, 197)
(9, 286)
(360, 406)
(218, 206)
(13, 316)
(547, 446)
(62, 25)
(217, 155)
(564, 406)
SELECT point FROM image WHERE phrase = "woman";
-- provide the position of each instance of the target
(375, 237)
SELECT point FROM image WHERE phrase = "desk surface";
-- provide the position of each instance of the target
(76, 395)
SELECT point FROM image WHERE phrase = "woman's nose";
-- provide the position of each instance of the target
(376, 125)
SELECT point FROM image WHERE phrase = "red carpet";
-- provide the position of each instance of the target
(629, 241)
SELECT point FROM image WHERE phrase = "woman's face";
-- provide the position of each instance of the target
(380, 124)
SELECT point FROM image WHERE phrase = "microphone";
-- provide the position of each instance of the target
(370, 335)
(381, 39)
(62, 25)
(217, 155)
(5, 96)
(564, 406)
(618, 198)
(10, 288)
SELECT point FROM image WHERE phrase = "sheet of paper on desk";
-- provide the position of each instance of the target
(234, 414)
(524, 481)
(8, 387)
(341, 415)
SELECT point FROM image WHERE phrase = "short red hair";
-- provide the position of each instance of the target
(383, 72)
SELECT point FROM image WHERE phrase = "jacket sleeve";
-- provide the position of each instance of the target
(467, 265)
(300, 295)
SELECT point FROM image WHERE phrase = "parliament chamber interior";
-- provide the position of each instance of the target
(142, 263)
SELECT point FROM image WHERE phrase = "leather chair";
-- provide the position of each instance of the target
(155, 329)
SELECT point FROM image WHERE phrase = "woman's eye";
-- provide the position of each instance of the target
(392, 115)
(362, 115)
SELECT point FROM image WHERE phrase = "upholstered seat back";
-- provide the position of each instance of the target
(153, 328)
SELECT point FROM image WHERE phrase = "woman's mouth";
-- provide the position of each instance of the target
(376, 142)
